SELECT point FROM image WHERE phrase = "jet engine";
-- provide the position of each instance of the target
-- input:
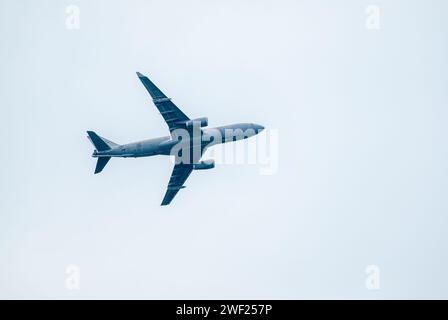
(204, 165)
(202, 122)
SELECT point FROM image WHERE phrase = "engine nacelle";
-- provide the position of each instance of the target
(204, 165)
(202, 122)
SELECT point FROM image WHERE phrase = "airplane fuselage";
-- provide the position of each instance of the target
(164, 145)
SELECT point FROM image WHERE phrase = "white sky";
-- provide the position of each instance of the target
(361, 117)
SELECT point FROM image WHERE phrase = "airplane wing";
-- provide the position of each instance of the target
(172, 115)
(180, 174)
(175, 119)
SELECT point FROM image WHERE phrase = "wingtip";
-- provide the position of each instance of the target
(90, 134)
(165, 203)
(139, 75)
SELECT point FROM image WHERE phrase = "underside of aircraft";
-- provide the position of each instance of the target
(187, 141)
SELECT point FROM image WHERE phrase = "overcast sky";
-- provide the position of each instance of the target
(359, 105)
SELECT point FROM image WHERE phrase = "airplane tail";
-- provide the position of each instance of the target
(101, 163)
(100, 144)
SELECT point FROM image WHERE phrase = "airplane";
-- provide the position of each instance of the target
(187, 141)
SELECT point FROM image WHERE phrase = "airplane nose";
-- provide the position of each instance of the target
(259, 128)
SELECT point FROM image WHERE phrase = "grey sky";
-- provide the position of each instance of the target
(361, 117)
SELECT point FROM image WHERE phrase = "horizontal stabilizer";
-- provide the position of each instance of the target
(98, 142)
(102, 161)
